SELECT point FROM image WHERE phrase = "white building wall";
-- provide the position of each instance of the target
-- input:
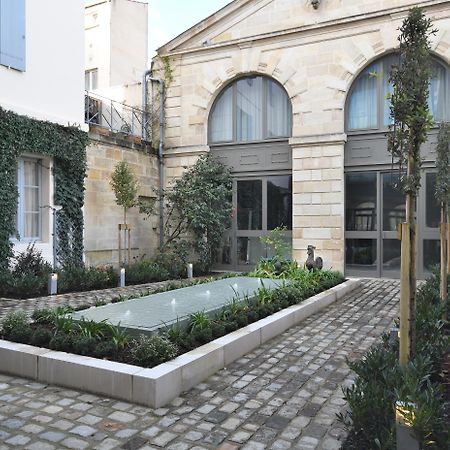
(51, 87)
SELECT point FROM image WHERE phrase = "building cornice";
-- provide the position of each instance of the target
(317, 140)
(349, 21)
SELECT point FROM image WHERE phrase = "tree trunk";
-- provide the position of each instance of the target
(408, 275)
(444, 243)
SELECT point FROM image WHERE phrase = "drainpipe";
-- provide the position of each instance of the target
(147, 77)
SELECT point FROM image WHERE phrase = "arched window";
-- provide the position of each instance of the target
(253, 108)
(368, 102)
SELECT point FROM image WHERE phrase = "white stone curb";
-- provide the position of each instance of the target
(157, 386)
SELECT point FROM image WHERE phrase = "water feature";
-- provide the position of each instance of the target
(147, 314)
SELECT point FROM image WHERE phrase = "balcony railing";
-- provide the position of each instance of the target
(115, 116)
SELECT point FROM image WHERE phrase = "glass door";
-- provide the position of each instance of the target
(393, 202)
(361, 224)
(261, 203)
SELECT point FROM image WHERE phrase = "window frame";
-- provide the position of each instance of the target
(88, 77)
(20, 219)
(264, 113)
(380, 99)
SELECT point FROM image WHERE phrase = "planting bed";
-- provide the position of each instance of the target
(156, 386)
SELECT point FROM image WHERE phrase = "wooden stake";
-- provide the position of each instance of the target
(405, 329)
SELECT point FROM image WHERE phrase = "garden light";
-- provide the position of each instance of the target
(53, 284)
(122, 277)
(404, 419)
(190, 270)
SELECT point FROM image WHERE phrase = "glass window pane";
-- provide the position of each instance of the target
(249, 250)
(224, 254)
(361, 254)
(279, 202)
(362, 107)
(249, 205)
(432, 216)
(387, 62)
(436, 98)
(393, 202)
(222, 117)
(249, 109)
(391, 254)
(278, 111)
(31, 225)
(431, 253)
(361, 201)
(31, 173)
(31, 201)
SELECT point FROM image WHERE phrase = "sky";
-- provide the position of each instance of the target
(169, 18)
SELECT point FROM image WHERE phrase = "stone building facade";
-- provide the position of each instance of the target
(318, 57)
(102, 215)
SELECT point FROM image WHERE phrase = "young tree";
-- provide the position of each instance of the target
(199, 204)
(443, 195)
(411, 122)
(125, 186)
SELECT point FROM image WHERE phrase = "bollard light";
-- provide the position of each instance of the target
(53, 284)
(394, 335)
(404, 418)
(190, 270)
(122, 277)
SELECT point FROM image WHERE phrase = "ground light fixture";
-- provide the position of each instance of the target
(53, 284)
(404, 418)
(122, 277)
(190, 270)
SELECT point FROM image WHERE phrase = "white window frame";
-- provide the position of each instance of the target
(89, 77)
(20, 222)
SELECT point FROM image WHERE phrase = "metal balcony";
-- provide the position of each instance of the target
(115, 116)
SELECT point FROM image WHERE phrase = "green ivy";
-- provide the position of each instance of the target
(67, 146)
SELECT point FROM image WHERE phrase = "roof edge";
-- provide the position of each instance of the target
(201, 26)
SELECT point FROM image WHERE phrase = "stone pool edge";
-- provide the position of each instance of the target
(157, 386)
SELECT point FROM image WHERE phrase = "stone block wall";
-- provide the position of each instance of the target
(101, 213)
(316, 56)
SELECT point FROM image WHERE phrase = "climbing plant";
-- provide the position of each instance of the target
(67, 146)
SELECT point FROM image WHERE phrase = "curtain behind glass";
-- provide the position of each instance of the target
(436, 96)
(222, 117)
(278, 111)
(388, 62)
(249, 109)
(363, 108)
(31, 199)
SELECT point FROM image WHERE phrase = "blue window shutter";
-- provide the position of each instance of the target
(12, 33)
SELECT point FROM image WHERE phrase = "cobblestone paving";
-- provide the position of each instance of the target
(283, 395)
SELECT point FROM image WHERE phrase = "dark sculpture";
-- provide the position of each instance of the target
(315, 3)
(312, 263)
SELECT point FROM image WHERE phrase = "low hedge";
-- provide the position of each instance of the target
(55, 329)
(380, 382)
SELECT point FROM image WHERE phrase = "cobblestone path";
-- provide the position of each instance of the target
(283, 395)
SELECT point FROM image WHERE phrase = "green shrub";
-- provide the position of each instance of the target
(149, 351)
(61, 342)
(74, 279)
(381, 382)
(30, 262)
(41, 337)
(84, 345)
(199, 321)
(146, 271)
(105, 349)
(13, 323)
(43, 316)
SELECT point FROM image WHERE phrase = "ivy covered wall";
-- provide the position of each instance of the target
(67, 147)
